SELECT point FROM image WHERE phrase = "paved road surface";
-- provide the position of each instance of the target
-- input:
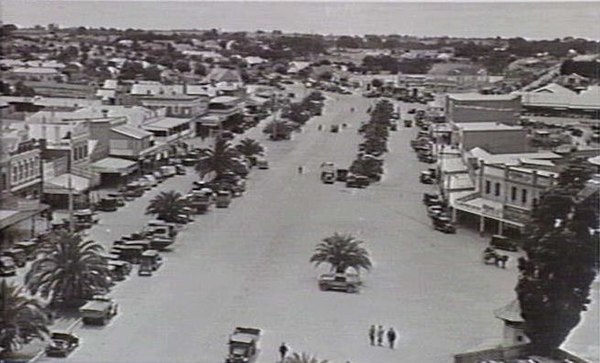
(248, 266)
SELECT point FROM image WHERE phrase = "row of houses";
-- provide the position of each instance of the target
(489, 174)
(69, 144)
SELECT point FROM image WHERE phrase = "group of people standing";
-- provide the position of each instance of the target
(377, 334)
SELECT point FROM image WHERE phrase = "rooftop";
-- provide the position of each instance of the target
(166, 123)
(480, 97)
(131, 131)
(486, 126)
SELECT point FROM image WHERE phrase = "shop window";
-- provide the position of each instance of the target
(497, 189)
(513, 194)
(488, 187)
(524, 196)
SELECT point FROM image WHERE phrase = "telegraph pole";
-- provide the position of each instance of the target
(70, 186)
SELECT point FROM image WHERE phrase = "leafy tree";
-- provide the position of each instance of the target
(152, 73)
(376, 82)
(22, 319)
(342, 252)
(167, 205)
(249, 148)
(219, 159)
(183, 66)
(561, 261)
(346, 41)
(70, 270)
(303, 358)
(278, 129)
(200, 69)
(23, 90)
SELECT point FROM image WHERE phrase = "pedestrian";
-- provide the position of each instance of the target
(391, 336)
(372, 334)
(283, 349)
(300, 169)
(380, 332)
(320, 127)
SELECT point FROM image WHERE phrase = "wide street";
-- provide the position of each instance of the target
(248, 265)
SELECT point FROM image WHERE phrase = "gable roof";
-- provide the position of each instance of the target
(131, 131)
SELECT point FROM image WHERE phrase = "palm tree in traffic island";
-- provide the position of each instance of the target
(22, 319)
(168, 206)
(303, 358)
(250, 148)
(218, 160)
(69, 271)
(342, 252)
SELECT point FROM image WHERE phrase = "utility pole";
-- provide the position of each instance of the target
(70, 186)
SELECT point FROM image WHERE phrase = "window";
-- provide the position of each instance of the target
(15, 173)
(524, 196)
(488, 186)
(497, 189)
(513, 194)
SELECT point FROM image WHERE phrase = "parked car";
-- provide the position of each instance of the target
(262, 163)
(151, 179)
(503, 243)
(339, 282)
(29, 247)
(17, 254)
(98, 311)
(61, 344)
(443, 224)
(8, 267)
(119, 197)
(107, 204)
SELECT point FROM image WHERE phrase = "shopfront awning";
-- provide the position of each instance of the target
(114, 166)
(60, 184)
(485, 208)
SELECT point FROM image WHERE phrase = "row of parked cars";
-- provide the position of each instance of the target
(139, 248)
(134, 189)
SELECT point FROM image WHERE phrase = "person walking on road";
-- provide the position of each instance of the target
(283, 349)
(391, 336)
(372, 334)
(380, 332)
(300, 169)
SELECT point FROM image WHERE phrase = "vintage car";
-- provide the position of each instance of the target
(339, 282)
(61, 344)
(503, 243)
(243, 345)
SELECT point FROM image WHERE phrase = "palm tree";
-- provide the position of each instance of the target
(70, 271)
(219, 159)
(342, 252)
(22, 319)
(167, 205)
(249, 148)
(303, 358)
(279, 130)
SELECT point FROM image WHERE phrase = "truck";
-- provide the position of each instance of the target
(328, 171)
(98, 311)
(339, 282)
(243, 345)
(168, 171)
(199, 200)
(223, 199)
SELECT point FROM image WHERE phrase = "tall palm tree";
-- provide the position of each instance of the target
(70, 270)
(278, 129)
(167, 205)
(303, 358)
(249, 148)
(219, 159)
(22, 319)
(342, 252)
